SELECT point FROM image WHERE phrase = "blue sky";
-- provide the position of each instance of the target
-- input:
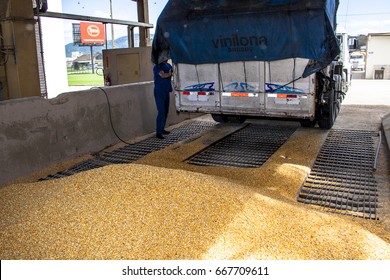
(363, 17)
(355, 16)
(122, 9)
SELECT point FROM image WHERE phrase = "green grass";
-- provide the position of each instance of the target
(85, 80)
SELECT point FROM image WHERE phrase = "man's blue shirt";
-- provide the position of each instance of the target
(162, 83)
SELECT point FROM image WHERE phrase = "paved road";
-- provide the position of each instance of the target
(372, 100)
(368, 92)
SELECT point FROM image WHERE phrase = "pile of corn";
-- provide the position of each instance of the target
(138, 211)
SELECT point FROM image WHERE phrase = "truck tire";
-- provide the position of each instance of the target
(228, 118)
(236, 119)
(219, 118)
(308, 123)
(328, 110)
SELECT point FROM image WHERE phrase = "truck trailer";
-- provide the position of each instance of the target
(255, 58)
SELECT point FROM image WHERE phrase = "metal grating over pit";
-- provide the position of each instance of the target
(342, 178)
(130, 153)
(249, 147)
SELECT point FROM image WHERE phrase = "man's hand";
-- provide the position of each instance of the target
(165, 75)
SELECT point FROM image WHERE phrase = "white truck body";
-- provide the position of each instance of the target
(251, 88)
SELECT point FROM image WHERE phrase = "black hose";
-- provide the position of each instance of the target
(110, 115)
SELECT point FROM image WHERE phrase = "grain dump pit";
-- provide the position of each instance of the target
(249, 147)
(160, 206)
(131, 153)
(342, 179)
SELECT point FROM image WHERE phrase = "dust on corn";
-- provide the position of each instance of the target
(138, 211)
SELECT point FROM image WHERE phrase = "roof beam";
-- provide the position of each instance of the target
(95, 19)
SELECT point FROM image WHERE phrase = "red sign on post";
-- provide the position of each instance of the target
(92, 33)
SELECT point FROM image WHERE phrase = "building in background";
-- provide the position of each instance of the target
(378, 56)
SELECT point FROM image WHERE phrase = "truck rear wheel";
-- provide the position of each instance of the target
(328, 110)
(308, 123)
(228, 118)
(236, 119)
(219, 118)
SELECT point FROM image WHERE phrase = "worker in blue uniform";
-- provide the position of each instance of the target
(162, 88)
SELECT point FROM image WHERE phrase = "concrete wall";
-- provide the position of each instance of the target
(37, 133)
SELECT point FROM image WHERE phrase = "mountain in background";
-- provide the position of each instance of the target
(121, 42)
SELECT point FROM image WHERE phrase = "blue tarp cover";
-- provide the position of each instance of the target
(200, 31)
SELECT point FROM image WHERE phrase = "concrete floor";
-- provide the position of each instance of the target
(368, 92)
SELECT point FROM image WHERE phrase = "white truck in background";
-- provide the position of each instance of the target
(342, 63)
(358, 61)
(297, 70)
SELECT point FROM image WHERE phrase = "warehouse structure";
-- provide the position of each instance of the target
(378, 56)
(149, 198)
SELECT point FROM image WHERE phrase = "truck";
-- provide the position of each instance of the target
(255, 59)
(358, 61)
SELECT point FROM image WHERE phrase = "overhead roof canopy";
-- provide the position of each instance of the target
(95, 19)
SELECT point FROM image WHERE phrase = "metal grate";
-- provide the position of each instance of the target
(249, 147)
(136, 151)
(342, 178)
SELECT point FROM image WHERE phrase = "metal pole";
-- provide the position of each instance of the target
(92, 61)
(130, 36)
(112, 26)
(105, 35)
(143, 16)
